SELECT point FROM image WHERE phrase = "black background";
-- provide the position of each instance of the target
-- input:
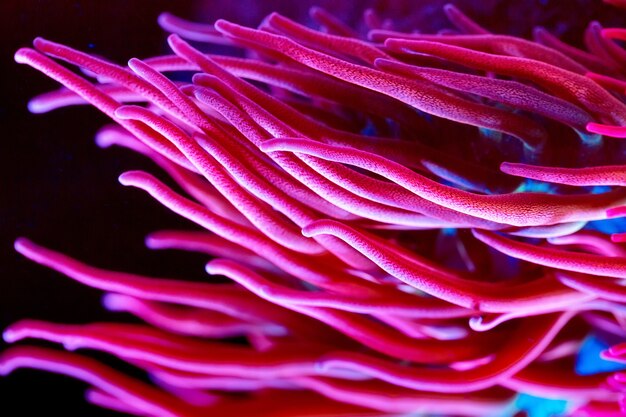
(59, 189)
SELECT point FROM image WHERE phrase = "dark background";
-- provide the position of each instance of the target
(59, 189)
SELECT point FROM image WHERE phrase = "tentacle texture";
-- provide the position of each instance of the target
(407, 222)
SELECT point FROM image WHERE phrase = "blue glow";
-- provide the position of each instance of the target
(540, 407)
(453, 180)
(448, 231)
(532, 186)
(589, 361)
(590, 139)
(490, 134)
(369, 129)
(600, 189)
(608, 226)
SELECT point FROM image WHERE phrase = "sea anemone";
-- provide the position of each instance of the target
(397, 221)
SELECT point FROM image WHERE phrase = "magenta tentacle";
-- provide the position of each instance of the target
(199, 323)
(223, 298)
(278, 229)
(607, 130)
(100, 100)
(498, 45)
(392, 302)
(213, 358)
(319, 184)
(510, 360)
(446, 286)
(356, 327)
(290, 262)
(201, 191)
(592, 241)
(555, 258)
(508, 92)
(206, 243)
(64, 97)
(581, 177)
(586, 59)
(330, 22)
(329, 43)
(547, 232)
(421, 96)
(140, 395)
(608, 82)
(563, 83)
(377, 395)
(517, 209)
(198, 32)
(463, 22)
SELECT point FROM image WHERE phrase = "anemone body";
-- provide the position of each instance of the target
(406, 222)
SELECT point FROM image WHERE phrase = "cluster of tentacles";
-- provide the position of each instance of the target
(411, 222)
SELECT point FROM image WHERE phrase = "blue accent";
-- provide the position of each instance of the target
(369, 129)
(533, 186)
(600, 189)
(443, 173)
(589, 361)
(91, 45)
(540, 407)
(590, 139)
(490, 134)
(609, 226)
(448, 231)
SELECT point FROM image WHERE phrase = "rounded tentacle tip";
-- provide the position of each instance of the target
(22, 245)
(224, 26)
(135, 64)
(214, 267)
(22, 54)
(475, 323)
(37, 106)
(315, 228)
(152, 241)
(610, 354)
(164, 18)
(126, 112)
(384, 63)
(477, 233)
(449, 7)
(618, 237)
(114, 302)
(315, 10)
(105, 138)
(10, 335)
(274, 17)
(309, 230)
(593, 127)
(270, 145)
(266, 23)
(40, 42)
(129, 178)
(505, 167)
(44, 45)
(174, 41)
(616, 212)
